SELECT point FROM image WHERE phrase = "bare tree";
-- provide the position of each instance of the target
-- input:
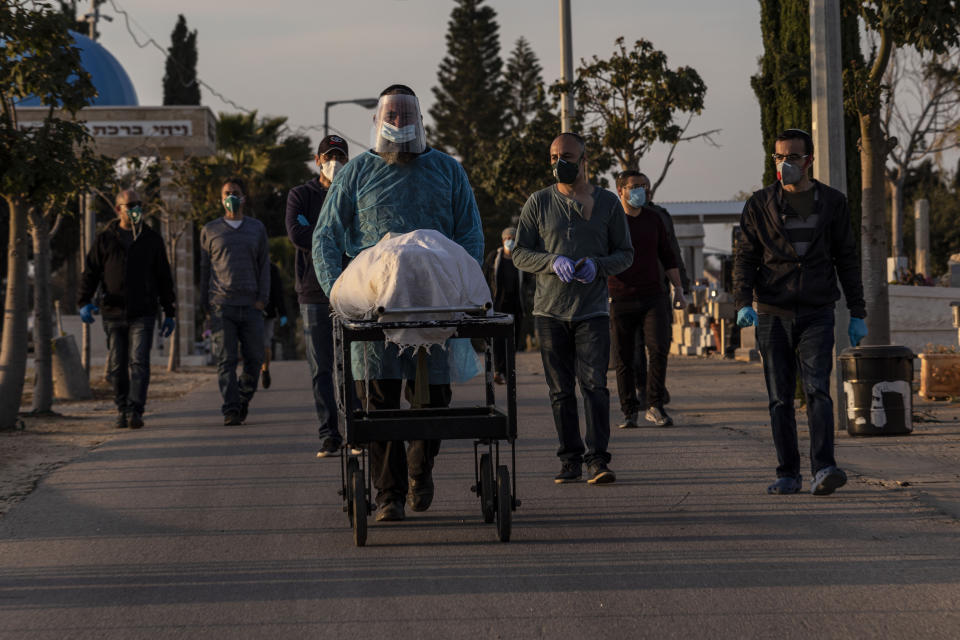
(921, 118)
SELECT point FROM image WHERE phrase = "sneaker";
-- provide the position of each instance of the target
(356, 451)
(569, 472)
(785, 485)
(629, 422)
(232, 418)
(658, 416)
(390, 512)
(420, 494)
(121, 421)
(265, 378)
(828, 480)
(499, 379)
(136, 420)
(329, 447)
(600, 474)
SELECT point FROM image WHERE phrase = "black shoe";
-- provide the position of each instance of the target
(390, 512)
(121, 422)
(499, 379)
(658, 416)
(600, 474)
(569, 472)
(828, 480)
(265, 378)
(136, 420)
(629, 422)
(232, 418)
(420, 495)
(329, 447)
(244, 408)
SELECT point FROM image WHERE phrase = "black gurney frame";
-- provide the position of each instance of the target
(486, 425)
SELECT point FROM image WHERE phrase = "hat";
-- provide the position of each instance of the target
(332, 143)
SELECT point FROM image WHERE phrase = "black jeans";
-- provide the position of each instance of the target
(128, 361)
(634, 324)
(390, 463)
(318, 343)
(804, 342)
(572, 351)
(237, 329)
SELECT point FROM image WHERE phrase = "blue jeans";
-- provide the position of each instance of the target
(128, 361)
(318, 343)
(804, 342)
(235, 330)
(574, 351)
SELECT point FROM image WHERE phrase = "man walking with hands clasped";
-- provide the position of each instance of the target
(573, 235)
(796, 242)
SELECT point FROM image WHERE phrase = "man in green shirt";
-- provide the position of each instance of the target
(573, 235)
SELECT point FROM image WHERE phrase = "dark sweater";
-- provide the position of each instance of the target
(306, 200)
(651, 248)
(234, 263)
(134, 278)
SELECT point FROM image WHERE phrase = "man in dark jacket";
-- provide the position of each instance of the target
(796, 241)
(129, 261)
(508, 287)
(303, 209)
(640, 305)
(640, 350)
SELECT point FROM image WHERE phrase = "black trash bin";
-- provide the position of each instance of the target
(877, 390)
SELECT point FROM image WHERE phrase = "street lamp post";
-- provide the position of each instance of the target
(366, 103)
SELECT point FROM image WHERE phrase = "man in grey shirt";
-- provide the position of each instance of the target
(234, 289)
(572, 236)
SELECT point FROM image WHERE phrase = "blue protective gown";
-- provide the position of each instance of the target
(370, 198)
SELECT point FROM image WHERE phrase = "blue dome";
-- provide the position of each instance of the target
(113, 85)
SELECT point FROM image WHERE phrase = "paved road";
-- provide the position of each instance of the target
(190, 529)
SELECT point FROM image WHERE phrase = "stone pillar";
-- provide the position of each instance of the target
(178, 234)
(921, 220)
(829, 164)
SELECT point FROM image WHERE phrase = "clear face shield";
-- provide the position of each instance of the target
(397, 126)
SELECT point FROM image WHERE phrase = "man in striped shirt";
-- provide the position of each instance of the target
(796, 243)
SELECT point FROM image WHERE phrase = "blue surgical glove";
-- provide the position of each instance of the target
(86, 313)
(564, 268)
(586, 272)
(303, 220)
(746, 317)
(169, 324)
(283, 321)
(857, 331)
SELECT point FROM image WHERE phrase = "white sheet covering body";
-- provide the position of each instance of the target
(421, 268)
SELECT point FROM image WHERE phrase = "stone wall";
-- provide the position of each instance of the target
(922, 315)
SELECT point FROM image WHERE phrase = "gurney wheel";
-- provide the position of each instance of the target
(488, 496)
(504, 510)
(358, 503)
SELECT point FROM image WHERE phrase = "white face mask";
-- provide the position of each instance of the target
(330, 168)
(398, 135)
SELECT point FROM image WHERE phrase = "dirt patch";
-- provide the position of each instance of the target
(50, 441)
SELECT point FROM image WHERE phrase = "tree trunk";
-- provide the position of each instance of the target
(13, 347)
(897, 217)
(42, 315)
(173, 358)
(872, 232)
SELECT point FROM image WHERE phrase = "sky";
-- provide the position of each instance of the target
(289, 57)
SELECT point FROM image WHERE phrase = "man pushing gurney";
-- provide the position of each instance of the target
(398, 186)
